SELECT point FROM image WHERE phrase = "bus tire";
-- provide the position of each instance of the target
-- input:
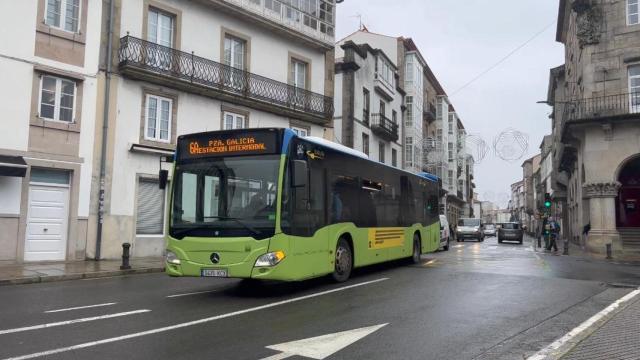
(446, 247)
(343, 261)
(417, 249)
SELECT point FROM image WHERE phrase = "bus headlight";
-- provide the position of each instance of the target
(270, 259)
(172, 258)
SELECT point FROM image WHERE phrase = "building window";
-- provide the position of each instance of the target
(384, 71)
(394, 116)
(160, 27)
(365, 143)
(451, 124)
(634, 88)
(366, 105)
(394, 157)
(57, 98)
(158, 118)
(302, 132)
(234, 121)
(63, 14)
(632, 12)
(408, 151)
(383, 110)
(450, 175)
(150, 208)
(450, 151)
(234, 52)
(381, 151)
(439, 135)
(299, 73)
(409, 120)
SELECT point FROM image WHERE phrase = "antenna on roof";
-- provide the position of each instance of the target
(360, 26)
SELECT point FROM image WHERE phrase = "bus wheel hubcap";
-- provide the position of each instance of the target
(342, 260)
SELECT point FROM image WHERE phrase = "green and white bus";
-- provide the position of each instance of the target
(267, 204)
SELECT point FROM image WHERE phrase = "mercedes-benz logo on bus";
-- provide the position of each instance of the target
(215, 258)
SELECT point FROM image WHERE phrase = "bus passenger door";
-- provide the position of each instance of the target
(308, 226)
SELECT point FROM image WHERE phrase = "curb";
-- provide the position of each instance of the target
(559, 348)
(78, 276)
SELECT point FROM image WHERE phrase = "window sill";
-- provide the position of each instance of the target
(78, 38)
(55, 124)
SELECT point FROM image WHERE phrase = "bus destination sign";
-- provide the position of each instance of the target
(227, 144)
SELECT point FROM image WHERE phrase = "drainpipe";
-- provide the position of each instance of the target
(105, 128)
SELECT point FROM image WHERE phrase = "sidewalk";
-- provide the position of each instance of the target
(618, 338)
(57, 271)
(579, 252)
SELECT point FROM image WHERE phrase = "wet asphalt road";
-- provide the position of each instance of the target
(476, 301)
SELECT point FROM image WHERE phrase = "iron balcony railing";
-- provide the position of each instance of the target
(384, 127)
(602, 106)
(429, 112)
(186, 67)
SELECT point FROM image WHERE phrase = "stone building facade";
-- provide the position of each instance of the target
(596, 124)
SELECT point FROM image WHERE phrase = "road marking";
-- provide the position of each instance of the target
(547, 351)
(321, 347)
(68, 322)
(429, 263)
(191, 293)
(80, 307)
(190, 323)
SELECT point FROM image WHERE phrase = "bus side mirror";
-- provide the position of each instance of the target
(300, 174)
(163, 176)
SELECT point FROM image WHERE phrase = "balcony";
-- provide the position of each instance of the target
(383, 127)
(622, 105)
(315, 25)
(144, 60)
(429, 112)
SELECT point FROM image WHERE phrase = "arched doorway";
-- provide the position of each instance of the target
(628, 202)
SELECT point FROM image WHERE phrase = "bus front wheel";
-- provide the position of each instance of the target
(415, 258)
(343, 262)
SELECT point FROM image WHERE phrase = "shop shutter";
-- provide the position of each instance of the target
(150, 215)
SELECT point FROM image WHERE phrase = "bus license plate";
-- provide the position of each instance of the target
(213, 273)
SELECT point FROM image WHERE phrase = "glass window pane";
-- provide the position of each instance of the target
(71, 15)
(151, 117)
(152, 27)
(228, 121)
(633, 19)
(53, 13)
(66, 101)
(49, 83)
(68, 87)
(46, 111)
(48, 97)
(49, 176)
(66, 114)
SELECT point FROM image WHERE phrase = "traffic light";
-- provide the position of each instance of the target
(547, 200)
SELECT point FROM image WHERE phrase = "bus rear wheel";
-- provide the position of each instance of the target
(343, 261)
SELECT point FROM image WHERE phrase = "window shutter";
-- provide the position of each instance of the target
(150, 214)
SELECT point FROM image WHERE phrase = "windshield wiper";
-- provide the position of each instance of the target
(238, 221)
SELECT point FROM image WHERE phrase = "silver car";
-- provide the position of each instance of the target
(470, 229)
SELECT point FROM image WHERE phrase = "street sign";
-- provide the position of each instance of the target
(321, 347)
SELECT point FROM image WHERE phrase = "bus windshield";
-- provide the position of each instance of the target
(225, 197)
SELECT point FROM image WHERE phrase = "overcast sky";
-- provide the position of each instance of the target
(460, 40)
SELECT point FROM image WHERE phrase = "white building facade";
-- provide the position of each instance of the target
(192, 66)
(49, 60)
(368, 103)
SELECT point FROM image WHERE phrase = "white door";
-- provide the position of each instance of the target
(47, 221)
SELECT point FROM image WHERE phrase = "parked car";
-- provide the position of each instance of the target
(445, 233)
(511, 231)
(490, 230)
(470, 228)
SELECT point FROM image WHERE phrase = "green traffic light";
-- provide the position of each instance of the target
(547, 204)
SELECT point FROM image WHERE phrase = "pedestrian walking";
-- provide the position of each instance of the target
(554, 231)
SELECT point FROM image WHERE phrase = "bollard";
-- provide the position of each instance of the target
(125, 257)
(609, 257)
(566, 247)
